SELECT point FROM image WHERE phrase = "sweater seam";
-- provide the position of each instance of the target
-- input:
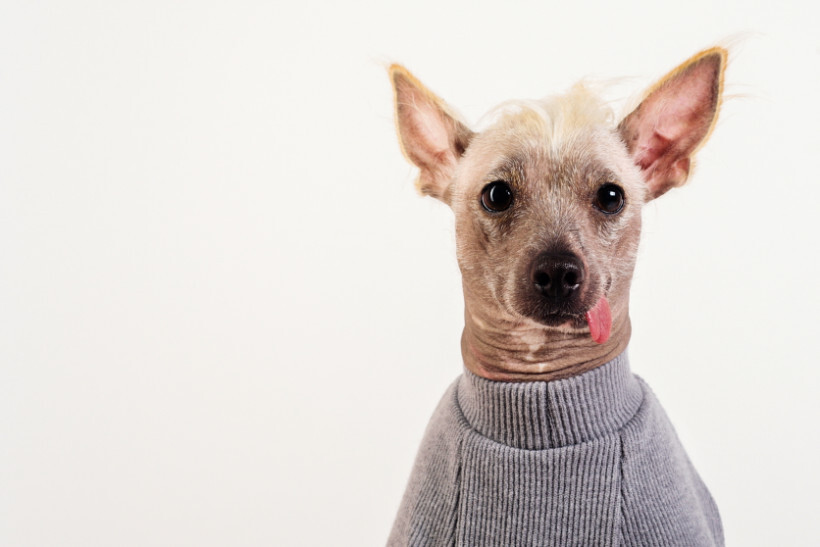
(459, 486)
(622, 466)
(459, 483)
(621, 489)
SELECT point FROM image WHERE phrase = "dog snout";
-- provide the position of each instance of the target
(558, 277)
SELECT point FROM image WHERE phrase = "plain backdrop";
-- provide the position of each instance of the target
(226, 316)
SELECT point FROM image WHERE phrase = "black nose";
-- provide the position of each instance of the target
(557, 276)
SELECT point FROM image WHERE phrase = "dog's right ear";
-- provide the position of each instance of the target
(674, 120)
(431, 136)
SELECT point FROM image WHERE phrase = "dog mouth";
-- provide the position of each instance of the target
(597, 319)
(566, 320)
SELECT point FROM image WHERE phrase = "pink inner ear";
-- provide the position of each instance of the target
(668, 126)
(676, 114)
(426, 131)
(427, 136)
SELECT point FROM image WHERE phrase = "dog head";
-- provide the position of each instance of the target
(547, 199)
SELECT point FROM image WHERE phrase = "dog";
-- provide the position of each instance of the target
(548, 438)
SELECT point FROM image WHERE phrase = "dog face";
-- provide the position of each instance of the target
(547, 205)
(547, 199)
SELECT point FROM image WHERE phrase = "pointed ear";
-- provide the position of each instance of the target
(431, 136)
(674, 120)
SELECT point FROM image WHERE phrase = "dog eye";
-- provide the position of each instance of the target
(496, 196)
(609, 199)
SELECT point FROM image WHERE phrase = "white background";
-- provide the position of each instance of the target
(225, 315)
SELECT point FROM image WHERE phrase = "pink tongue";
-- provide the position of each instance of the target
(599, 319)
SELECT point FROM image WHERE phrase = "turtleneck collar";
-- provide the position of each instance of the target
(540, 415)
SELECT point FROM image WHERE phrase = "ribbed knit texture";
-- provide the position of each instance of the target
(589, 460)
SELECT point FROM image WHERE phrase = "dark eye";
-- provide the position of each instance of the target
(496, 196)
(609, 199)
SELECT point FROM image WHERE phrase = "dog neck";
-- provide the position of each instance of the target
(497, 346)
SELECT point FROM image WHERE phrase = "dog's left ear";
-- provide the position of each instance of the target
(674, 120)
(431, 135)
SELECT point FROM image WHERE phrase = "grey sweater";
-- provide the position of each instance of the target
(590, 460)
